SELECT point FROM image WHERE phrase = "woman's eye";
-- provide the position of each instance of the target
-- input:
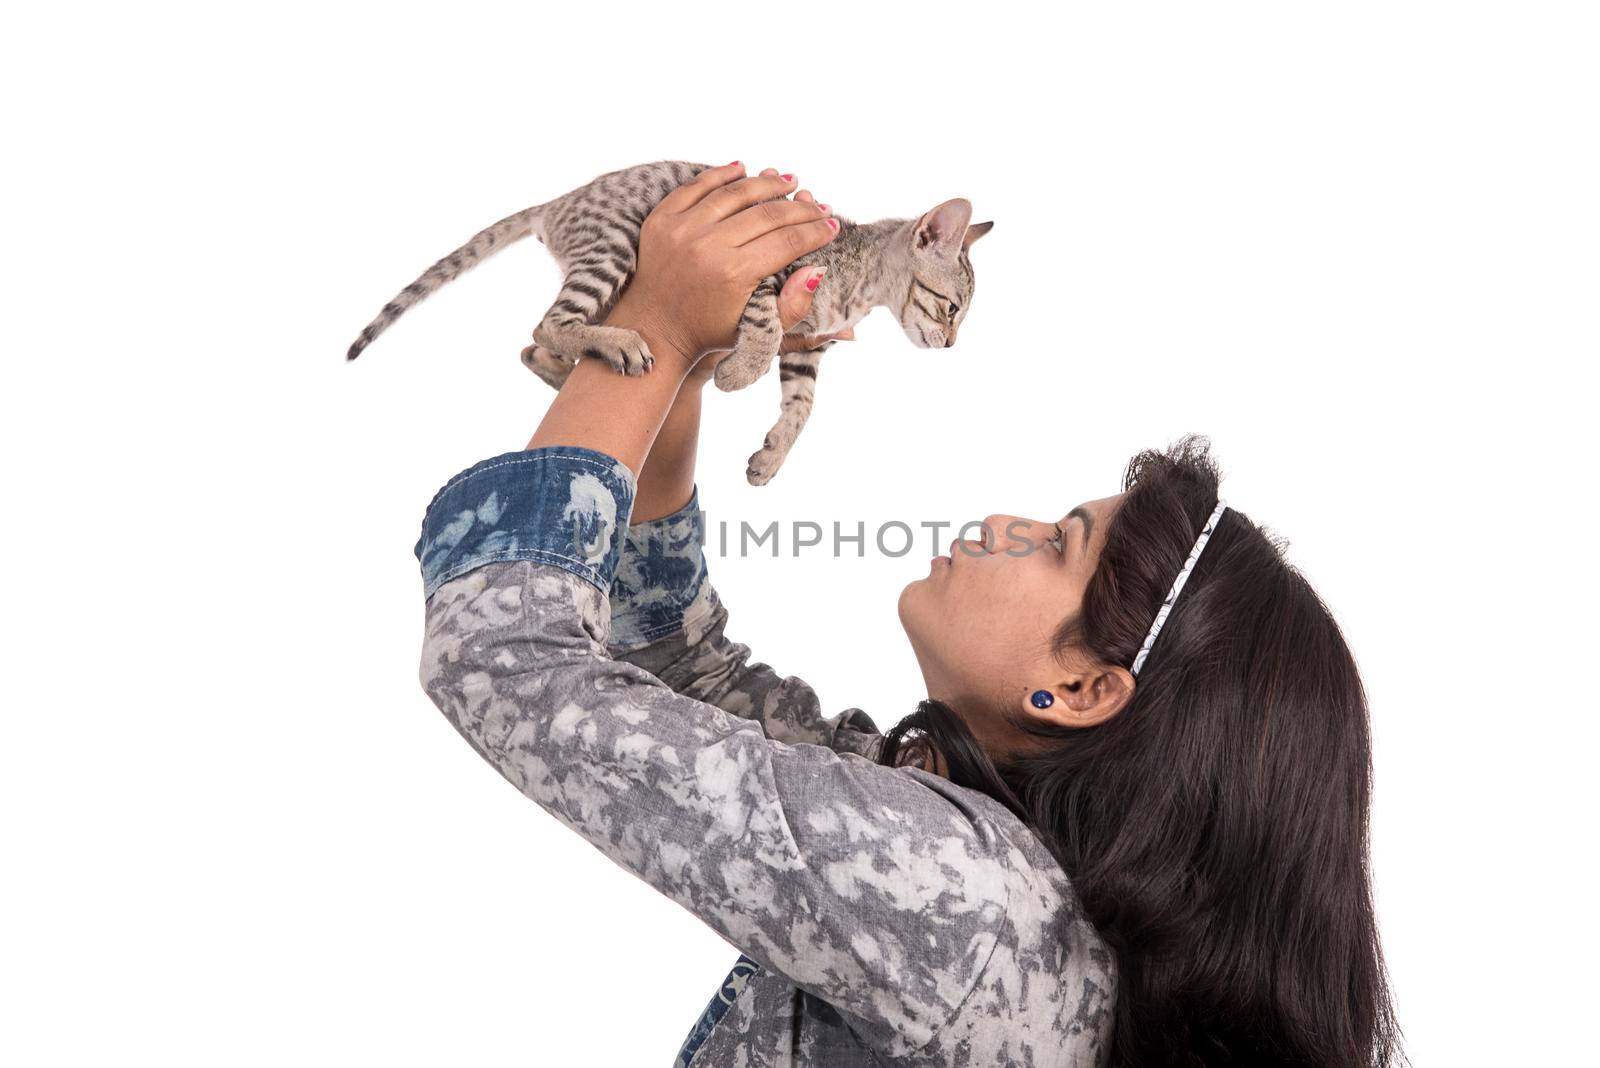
(1057, 540)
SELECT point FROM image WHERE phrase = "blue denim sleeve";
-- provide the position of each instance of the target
(560, 504)
(569, 506)
(659, 578)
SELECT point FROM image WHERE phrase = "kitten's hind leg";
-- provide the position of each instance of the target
(760, 333)
(547, 365)
(798, 373)
(567, 330)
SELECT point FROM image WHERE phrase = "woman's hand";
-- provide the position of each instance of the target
(667, 481)
(703, 251)
(706, 247)
(794, 304)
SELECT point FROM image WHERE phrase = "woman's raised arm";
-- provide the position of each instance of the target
(760, 839)
(665, 615)
(769, 844)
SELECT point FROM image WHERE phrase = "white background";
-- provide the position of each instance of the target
(1354, 244)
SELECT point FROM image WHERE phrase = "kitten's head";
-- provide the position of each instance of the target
(941, 285)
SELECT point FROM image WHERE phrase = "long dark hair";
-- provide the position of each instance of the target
(1215, 828)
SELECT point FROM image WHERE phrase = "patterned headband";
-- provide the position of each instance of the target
(1177, 584)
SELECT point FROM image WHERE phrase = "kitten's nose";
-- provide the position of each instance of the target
(951, 340)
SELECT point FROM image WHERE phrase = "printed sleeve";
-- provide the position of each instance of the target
(865, 887)
(667, 618)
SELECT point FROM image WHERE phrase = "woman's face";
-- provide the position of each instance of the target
(982, 622)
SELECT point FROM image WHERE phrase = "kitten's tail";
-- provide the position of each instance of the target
(484, 243)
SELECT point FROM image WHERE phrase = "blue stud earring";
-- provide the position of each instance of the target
(1043, 699)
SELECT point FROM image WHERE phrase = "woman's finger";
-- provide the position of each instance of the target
(794, 299)
(733, 197)
(805, 196)
(765, 217)
(781, 247)
(695, 189)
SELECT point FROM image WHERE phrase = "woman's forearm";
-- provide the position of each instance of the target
(616, 414)
(668, 476)
(623, 414)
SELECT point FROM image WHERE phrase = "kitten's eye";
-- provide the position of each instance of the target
(954, 307)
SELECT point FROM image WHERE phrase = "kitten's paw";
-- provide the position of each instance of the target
(740, 368)
(764, 463)
(549, 366)
(623, 349)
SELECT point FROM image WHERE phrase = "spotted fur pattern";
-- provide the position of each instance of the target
(918, 268)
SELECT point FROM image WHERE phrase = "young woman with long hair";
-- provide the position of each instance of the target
(1127, 825)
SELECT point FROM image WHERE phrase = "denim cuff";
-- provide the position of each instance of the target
(662, 571)
(557, 504)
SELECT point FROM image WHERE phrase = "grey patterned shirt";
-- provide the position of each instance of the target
(885, 916)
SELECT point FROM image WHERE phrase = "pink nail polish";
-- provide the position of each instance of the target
(834, 223)
(823, 207)
(815, 280)
(735, 163)
(787, 177)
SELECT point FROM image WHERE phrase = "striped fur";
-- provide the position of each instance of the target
(918, 268)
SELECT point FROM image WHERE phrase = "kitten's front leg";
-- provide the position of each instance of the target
(568, 328)
(798, 373)
(760, 334)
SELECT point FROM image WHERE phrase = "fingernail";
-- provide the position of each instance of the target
(787, 177)
(834, 223)
(735, 163)
(823, 208)
(816, 279)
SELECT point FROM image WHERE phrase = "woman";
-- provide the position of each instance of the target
(1085, 847)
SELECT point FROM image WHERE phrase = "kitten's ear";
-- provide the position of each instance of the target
(939, 231)
(975, 231)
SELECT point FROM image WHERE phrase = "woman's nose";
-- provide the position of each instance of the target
(1002, 531)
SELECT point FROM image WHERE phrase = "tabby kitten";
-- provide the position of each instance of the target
(917, 268)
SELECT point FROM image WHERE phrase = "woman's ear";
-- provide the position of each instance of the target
(1084, 699)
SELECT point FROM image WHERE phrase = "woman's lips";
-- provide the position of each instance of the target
(950, 557)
